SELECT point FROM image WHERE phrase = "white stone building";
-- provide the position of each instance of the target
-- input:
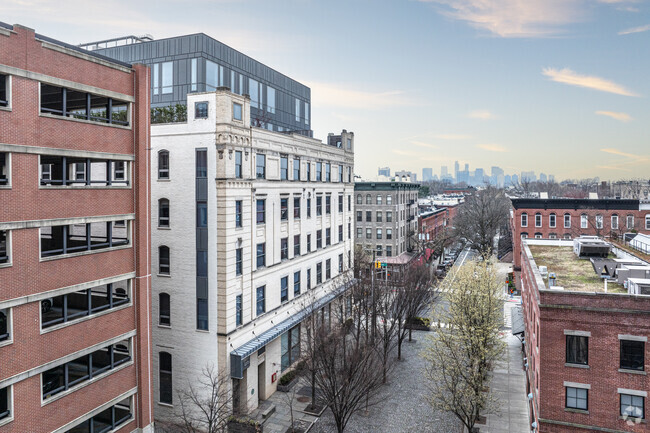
(250, 227)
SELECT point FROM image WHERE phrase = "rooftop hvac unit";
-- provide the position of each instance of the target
(543, 271)
(551, 279)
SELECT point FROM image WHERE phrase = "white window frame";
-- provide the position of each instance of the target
(552, 220)
(614, 222)
(8, 83)
(599, 222)
(629, 221)
(538, 223)
(167, 89)
(647, 221)
(584, 221)
(567, 220)
(524, 219)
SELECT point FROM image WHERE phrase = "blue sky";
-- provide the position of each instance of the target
(555, 86)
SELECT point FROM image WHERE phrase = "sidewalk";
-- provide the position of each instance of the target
(280, 420)
(509, 386)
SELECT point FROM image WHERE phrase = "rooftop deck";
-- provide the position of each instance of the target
(573, 274)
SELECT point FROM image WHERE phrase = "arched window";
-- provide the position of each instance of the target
(614, 222)
(630, 222)
(359, 199)
(567, 220)
(164, 307)
(163, 212)
(552, 220)
(538, 219)
(163, 164)
(583, 221)
(368, 199)
(163, 260)
(165, 370)
(524, 219)
(379, 199)
(599, 221)
(524, 235)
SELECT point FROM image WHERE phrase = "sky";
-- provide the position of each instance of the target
(554, 86)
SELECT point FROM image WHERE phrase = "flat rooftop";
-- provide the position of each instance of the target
(573, 273)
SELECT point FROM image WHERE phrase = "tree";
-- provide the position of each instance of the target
(348, 374)
(480, 218)
(204, 406)
(463, 353)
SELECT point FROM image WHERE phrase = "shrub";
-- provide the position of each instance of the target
(421, 321)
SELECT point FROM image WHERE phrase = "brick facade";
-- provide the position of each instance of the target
(27, 61)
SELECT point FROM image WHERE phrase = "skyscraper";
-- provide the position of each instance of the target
(456, 170)
(427, 174)
(383, 171)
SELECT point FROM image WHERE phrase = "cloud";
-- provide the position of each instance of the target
(423, 144)
(618, 152)
(335, 95)
(481, 114)
(639, 29)
(491, 147)
(453, 136)
(567, 76)
(623, 117)
(513, 18)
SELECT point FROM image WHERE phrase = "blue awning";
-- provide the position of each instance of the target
(239, 356)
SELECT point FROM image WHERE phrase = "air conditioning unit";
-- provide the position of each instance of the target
(543, 271)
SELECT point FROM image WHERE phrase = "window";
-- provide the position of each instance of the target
(308, 208)
(379, 199)
(389, 217)
(340, 233)
(238, 164)
(4, 247)
(236, 111)
(296, 207)
(319, 273)
(261, 303)
(74, 238)
(296, 245)
(359, 199)
(65, 376)
(238, 213)
(349, 230)
(319, 172)
(341, 173)
(309, 243)
(599, 221)
(389, 234)
(67, 171)
(165, 370)
(319, 205)
(270, 99)
(389, 251)
(328, 237)
(368, 216)
(307, 113)
(378, 233)
(378, 217)
(340, 263)
(576, 398)
(109, 419)
(577, 349)
(340, 203)
(4, 326)
(583, 221)
(290, 347)
(389, 199)
(297, 110)
(201, 110)
(163, 164)
(163, 212)
(647, 222)
(319, 239)
(368, 199)
(193, 73)
(328, 204)
(632, 355)
(163, 260)
(368, 233)
(260, 166)
(296, 169)
(254, 92)
(261, 211)
(5, 91)
(261, 255)
(239, 264)
(630, 221)
(74, 104)
(359, 232)
(238, 310)
(349, 203)
(614, 222)
(76, 305)
(296, 283)
(284, 289)
(4, 167)
(309, 279)
(524, 220)
(5, 404)
(551, 220)
(349, 175)
(164, 309)
(167, 77)
(538, 220)
(284, 208)
(284, 248)
(359, 216)
(567, 221)
(379, 250)
(633, 406)
(308, 173)
(328, 269)
(284, 167)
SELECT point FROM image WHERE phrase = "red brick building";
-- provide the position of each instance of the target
(433, 223)
(571, 218)
(75, 350)
(586, 348)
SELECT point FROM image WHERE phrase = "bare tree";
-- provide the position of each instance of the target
(463, 352)
(480, 218)
(203, 407)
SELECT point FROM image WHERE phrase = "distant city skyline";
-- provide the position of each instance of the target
(551, 86)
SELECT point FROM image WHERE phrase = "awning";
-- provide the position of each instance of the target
(517, 315)
(239, 357)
